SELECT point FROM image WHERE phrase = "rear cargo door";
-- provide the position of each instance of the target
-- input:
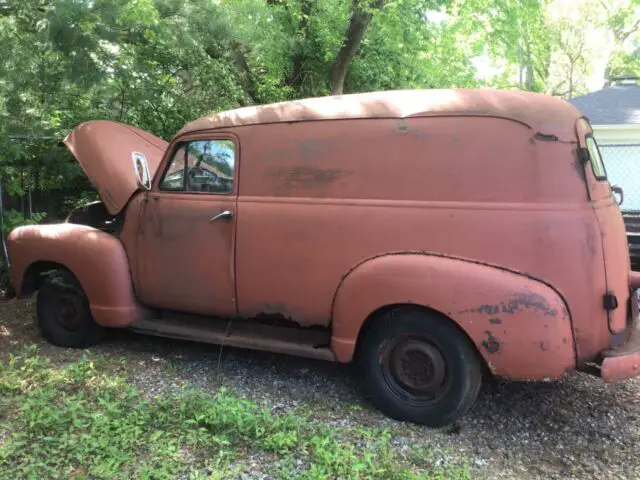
(612, 230)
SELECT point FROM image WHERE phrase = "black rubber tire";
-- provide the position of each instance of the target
(462, 377)
(63, 286)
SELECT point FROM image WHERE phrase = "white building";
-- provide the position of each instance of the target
(614, 113)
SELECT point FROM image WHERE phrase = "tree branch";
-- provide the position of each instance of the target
(358, 23)
(296, 78)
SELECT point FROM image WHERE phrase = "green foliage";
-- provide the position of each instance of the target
(13, 219)
(624, 64)
(85, 420)
(160, 63)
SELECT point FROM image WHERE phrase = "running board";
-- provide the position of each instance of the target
(303, 342)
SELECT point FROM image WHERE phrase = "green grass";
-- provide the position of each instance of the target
(85, 420)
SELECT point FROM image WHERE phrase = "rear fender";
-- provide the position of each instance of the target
(519, 324)
(97, 260)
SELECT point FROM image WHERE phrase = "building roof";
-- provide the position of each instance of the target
(613, 105)
(542, 113)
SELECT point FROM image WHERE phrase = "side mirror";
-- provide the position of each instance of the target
(618, 190)
(143, 179)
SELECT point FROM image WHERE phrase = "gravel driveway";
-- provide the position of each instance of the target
(576, 428)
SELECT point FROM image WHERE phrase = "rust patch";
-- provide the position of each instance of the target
(491, 343)
(488, 309)
(518, 303)
(401, 127)
(495, 321)
(305, 177)
(272, 318)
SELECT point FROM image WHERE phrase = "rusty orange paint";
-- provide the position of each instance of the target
(475, 204)
(532, 318)
(104, 148)
(617, 369)
(95, 258)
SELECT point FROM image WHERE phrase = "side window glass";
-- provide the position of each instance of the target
(211, 165)
(202, 166)
(596, 159)
(173, 179)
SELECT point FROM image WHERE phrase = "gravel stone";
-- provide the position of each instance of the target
(575, 428)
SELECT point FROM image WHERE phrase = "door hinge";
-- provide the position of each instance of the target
(610, 301)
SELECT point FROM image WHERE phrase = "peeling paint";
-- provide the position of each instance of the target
(305, 177)
(518, 303)
(491, 343)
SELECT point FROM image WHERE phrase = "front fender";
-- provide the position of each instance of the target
(97, 260)
(520, 325)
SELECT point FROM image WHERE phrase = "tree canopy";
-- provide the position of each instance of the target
(160, 63)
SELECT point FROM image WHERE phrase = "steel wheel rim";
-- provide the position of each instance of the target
(67, 311)
(415, 369)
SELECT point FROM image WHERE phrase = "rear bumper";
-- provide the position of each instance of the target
(623, 362)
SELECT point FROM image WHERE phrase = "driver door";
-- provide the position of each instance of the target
(187, 231)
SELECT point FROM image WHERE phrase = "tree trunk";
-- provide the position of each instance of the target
(358, 23)
(528, 66)
(296, 77)
(245, 73)
(529, 83)
(570, 80)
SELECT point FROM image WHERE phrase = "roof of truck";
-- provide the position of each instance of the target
(543, 113)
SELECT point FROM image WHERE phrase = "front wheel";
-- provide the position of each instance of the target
(64, 315)
(419, 367)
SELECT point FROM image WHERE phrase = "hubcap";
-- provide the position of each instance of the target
(414, 368)
(68, 312)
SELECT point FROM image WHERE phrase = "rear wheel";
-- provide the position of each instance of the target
(64, 315)
(419, 367)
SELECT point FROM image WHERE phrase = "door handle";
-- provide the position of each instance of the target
(224, 214)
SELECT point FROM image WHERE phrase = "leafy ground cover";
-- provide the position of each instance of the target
(84, 419)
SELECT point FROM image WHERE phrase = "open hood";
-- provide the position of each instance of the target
(104, 150)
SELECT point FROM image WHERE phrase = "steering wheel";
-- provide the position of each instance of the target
(191, 177)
